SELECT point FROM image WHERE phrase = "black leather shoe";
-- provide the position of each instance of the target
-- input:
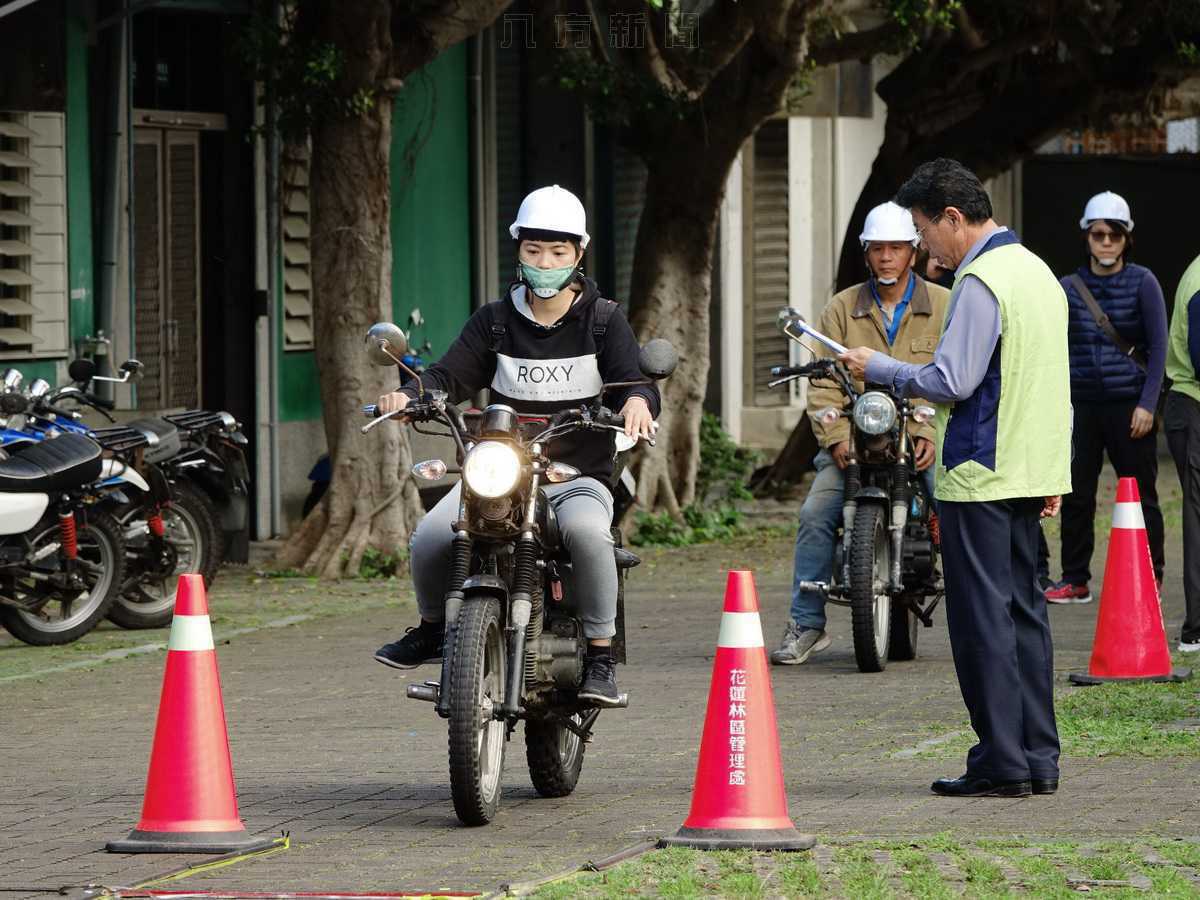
(969, 786)
(1044, 785)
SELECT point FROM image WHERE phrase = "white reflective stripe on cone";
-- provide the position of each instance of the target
(190, 633)
(1128, 515)
(740, 629)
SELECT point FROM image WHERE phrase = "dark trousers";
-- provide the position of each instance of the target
(1000, 636)
(1181, 421)
(1100, 428)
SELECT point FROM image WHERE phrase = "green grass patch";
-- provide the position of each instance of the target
(1043, 867)
(860, 875)
(1107, 720)
(1128, 720)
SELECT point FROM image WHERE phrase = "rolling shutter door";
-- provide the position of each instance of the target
(769, 260)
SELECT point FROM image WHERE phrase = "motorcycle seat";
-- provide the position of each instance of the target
(54, 464)
(169, 441)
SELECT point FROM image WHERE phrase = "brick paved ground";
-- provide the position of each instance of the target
(326, 747)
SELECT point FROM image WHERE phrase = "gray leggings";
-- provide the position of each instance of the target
(584, 508)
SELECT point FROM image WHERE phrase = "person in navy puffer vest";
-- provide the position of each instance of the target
(1114, 390)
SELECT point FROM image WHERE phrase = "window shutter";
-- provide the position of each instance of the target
(297, 256)
(33, 235)
(629, 197)
(769, 259)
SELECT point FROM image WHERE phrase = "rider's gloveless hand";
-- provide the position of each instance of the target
(389, 403)
(841, 454)
(638, 421)
(924, 453)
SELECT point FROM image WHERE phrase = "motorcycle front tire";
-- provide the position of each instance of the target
(477, 739)
(870, 606)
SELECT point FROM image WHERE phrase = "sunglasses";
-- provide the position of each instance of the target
(1101, 237)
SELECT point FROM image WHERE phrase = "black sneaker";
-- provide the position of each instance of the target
(419, 645)
(600, 680)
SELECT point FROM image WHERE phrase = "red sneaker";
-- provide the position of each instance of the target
(1068, 593)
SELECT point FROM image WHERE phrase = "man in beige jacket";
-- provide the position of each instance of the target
(896, 312)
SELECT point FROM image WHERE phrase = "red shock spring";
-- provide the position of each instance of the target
(157, 528)
(66, 529)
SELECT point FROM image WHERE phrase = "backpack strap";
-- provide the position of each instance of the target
(604, 311)
(1106, 325)
(499, 323)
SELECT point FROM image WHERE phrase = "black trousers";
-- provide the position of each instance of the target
(1100, 428)
(1000, 636)
(1181, 421)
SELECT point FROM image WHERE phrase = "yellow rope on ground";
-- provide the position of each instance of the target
(281, 844)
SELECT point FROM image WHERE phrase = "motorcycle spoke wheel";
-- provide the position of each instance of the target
(477, 738)
(555, 755)
(870, 604)
(61, 615)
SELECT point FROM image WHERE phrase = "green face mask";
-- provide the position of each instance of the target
(545, 283)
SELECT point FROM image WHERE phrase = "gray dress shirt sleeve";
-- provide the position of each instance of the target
(962, 356)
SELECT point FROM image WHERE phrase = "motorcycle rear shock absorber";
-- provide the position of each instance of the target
(155, 524)
(900, 498)
(852, 484)
(525, 571)
(460, 568)
(68, 535)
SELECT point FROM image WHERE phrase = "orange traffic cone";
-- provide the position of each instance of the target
(738, 800)
(1130, 642)
(190, 804)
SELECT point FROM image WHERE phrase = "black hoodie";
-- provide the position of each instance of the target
(539, 370)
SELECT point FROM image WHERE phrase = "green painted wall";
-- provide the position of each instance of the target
(431, 222)
(39, 368)
(81, 309)
(431, 201)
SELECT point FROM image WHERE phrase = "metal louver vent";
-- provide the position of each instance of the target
(297, 256)
(769, 242)
(33, 235)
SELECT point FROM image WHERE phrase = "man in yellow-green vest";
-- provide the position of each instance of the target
(1181, 421)
(1001, 380)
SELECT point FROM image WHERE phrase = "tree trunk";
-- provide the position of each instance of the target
(371, 504)
(670, 294)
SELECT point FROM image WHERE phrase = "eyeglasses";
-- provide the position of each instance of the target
(921, 231)
(1103, 237)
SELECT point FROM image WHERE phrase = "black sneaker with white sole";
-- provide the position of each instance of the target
(419, 645)
(600, 679)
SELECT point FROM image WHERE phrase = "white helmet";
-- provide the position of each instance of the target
(888, 222)
(552, 209)
(1106, 206)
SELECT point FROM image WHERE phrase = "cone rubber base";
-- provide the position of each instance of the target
(189, 842)
(739, 839)
(1084, 679)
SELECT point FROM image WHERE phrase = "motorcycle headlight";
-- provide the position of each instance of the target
(874, 413)
(491, 469)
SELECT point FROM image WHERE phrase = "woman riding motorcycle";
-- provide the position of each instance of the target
(548, 345)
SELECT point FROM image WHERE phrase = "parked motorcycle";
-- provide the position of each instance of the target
(169, 527)
(62, 558)
(194, 461)
(514, 647)
(885, 561)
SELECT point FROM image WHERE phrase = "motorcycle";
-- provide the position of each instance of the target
(169, 527)
(514, 648)
(62, 558)
(205, 449)
(885, 561)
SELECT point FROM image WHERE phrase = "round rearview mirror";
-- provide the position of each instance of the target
(82, 370)
(658, 359)
(787, 317)
(384, 341)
